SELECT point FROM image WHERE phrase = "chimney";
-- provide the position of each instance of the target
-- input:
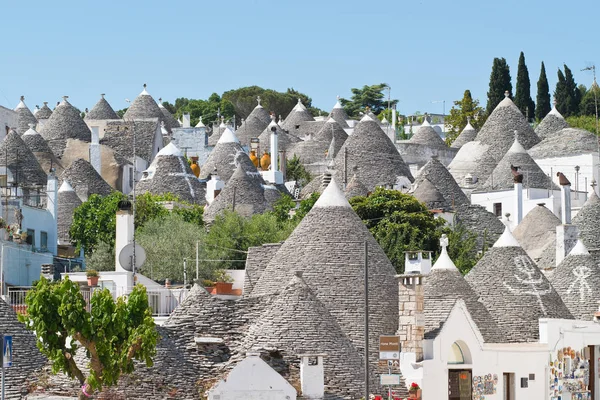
(518, 202)
(186, 120)
(566, 234)
(411, 322)
(124, 231)
(283, 168)
(95, 157)
(274, 175)
(312, 376)
(417, 262)
(394, 118)
(213, 187)
(52, 194)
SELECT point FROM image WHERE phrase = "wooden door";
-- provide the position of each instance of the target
(460, 384)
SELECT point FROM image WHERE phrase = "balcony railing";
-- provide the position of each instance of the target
(162, 302)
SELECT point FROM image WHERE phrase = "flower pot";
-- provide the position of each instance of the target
(415, 395)
(223, 287)
(92, 280)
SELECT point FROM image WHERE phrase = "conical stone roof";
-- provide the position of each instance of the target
(224, 158)
(144, 106)
(467, 135)
(85, 180)
(502, 177)
(577, 279)
(298, 115)
(42, 152)
(498, 129)
(551, 124)
(169, 119)
(184, 312)
(68, 201)
(24, 117)
(327, 247)
(355, 188)
(537, 231)
(298, 323)
(246, 189)
(514, 290)
(427, 193)
(426, 135)
(339, 114)
(443, 286)
(170, 173)
(27, 360)
(20, 161)
(566, 142)
(375, 157)
(43, 113)
(102, 110)
(64, 123)
(588, 223)
(332, 129)
(257, 121)
(285, 140)
(309, 151)
(437, 174)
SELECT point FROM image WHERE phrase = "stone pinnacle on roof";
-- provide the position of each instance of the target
(24, 116)
(339, 114)
(101, 111)
(144, 107)
(444, 261)
(200, 124)
(44, 113)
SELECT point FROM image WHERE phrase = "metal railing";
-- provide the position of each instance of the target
(162, 302)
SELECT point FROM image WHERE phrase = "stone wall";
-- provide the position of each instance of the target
(411, 323)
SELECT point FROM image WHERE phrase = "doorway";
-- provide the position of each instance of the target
(460, 384)
(508, 386)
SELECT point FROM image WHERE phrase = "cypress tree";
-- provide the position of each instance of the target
(499, 83)
(523, 91)
(560, 93)
(567, 94)
(543, 96)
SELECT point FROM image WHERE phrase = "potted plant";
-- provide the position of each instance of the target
(92, 277)
(414, 391)
(223, 282)
(208, 285)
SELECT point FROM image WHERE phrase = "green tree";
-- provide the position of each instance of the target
(94, 221)
(399, 223)
(589, 100)
(372, 97)
(567, 94)
(295, 171)
(587, 122)
(458, 116)
(170, 107)
(523, 98)
(102, 259)
(121, 112)
(210, 110)
(462, 247)
(168, 240)
(499, 83)
(543, 106)
(113, 333)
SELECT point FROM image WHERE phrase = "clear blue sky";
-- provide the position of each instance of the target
(425, 50)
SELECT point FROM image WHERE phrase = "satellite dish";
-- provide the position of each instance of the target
(126, 257)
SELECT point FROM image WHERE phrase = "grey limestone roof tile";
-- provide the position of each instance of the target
(298, 323)
(566, 142)
(245, 191)
(467, 135)
(438, 175)
(515, 291)
(170, 121)
(170, 173)
(427, 193)
(298, 115)
(355, 188)
(442, 288)
(42, 152)
(143, 107)
(256, 261)
(68, 201)
(375, 157)
(102, 110)
(426, 135)
(85, 180)
(24, 117)
(577, 279)
(64, 123)
(21, 162)
(332, 130)
(537, 231)
(252, 127)
(339, 114)
(588, 223)
(328, 246)
(309, 151)
(118, 135)
(27, 359)
(307, 129)
(480, 221)
(43, 113)
(225, 157)
(314, 186)
(502, 178)
(552, 123)
(284, 139)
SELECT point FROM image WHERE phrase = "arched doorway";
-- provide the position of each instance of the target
(460, 377)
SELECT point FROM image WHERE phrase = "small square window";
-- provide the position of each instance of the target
(498, 209)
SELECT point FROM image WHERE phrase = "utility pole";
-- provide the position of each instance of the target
(595, 89)
(366, 320)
